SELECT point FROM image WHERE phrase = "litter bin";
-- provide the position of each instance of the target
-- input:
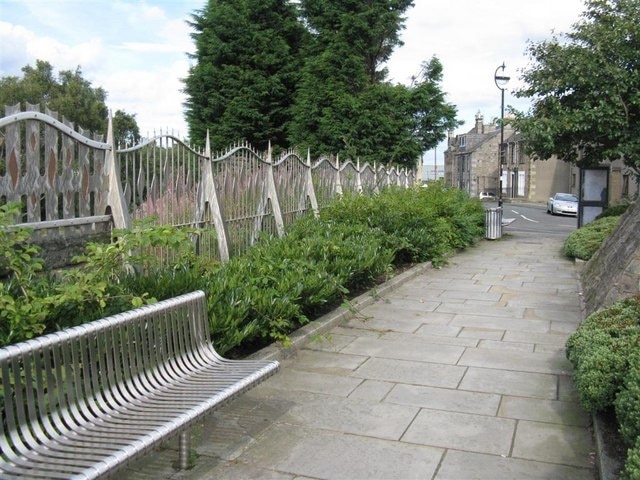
(493, 223)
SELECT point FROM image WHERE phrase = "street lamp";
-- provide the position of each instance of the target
(501, 83)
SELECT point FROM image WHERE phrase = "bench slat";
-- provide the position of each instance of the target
(82, 402)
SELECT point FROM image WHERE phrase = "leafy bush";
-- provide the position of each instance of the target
(627, 403)
(275, 286)
(25, 301)
(631, 469)
(585, 241)
(614, 210)
(421, 223)
(600, 351)
(257, 297)
(107, 279)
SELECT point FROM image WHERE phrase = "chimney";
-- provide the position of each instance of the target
(479, 123)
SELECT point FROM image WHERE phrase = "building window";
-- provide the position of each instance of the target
(625, 185)
(463, 140)
(573, 180)
(519, 154)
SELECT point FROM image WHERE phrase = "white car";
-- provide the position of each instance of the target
(563, 203)
(486, 196)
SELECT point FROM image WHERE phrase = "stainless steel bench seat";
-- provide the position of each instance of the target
(82, 402)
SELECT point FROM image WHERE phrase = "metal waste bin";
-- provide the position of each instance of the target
(493, 223)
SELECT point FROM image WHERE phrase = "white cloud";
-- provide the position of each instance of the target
(21, 46)
(136, 51)
(155, 96)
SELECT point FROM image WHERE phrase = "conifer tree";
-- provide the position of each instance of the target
(245, 71)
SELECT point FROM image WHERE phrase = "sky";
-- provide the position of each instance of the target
(137, 51)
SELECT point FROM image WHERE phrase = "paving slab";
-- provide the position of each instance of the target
(453, 400)
(387, 348)
(551, 338)
(505, 345)
(446, 373)
(372, 390)
(541, 410)
(421, 337)
(509, 382)
(357, 416)
(415, 373)
(291, 379)
(552, 443)
(324, 454)
(339, 363)
(460, 465)
(462, 431)
(516, 360)
(503, 322)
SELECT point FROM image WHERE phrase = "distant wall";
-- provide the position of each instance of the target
(613, 272)
(548, 177)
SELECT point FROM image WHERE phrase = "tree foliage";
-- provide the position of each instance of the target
(345, 104)
(247, 63)
(311, 74)
(585, 88)
(367, 29)
(125, 128)
(67, 93)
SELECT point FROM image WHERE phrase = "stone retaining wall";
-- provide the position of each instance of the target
(613, 272)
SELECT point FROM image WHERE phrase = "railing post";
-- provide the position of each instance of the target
(272, 194)
(310, 189)
(376, 188)
(338, 182)
(358, 178)
(207, 195)
(114, 197)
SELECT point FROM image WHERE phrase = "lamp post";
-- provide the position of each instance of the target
(501, 82)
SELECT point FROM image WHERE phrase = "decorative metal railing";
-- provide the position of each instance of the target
(68, 182)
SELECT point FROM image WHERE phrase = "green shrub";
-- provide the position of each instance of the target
(422, 224)
(585, 241)
(278, 284)
(600, 351)
(126, 273)
(627, 403)
(614, 210)
(631, 470)
(25, 299)
(109, 278)
(257, 297)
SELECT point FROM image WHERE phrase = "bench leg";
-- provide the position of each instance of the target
(184, 447)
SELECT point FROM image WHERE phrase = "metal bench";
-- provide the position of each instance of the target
(85, 401)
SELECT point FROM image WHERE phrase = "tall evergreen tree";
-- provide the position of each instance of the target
(396, 123)
(432, 116)
(246, 69)
(344, 103)
(369, 28)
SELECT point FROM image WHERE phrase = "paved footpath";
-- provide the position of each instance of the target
(455, 373)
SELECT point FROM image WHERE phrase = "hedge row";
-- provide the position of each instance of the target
(258, 297)
(605, 353)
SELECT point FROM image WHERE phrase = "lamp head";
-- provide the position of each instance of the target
(501, 80)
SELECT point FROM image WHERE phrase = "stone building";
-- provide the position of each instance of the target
(535, 180)
(471, 159)
(471, 164)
